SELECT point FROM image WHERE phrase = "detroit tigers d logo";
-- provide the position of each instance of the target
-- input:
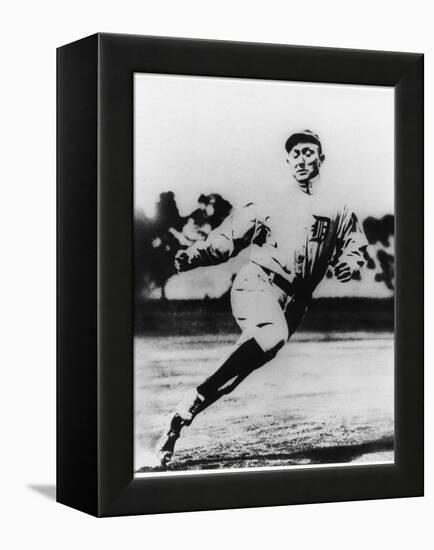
(320, 228)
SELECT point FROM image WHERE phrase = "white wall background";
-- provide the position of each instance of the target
(30, 32)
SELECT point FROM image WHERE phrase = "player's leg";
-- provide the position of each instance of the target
(259, 314)
(295, 310)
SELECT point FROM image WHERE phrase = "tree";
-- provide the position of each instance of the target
(379, 232)
(157, 240)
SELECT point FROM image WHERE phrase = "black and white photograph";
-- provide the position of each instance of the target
(218, 248)
(264, 274)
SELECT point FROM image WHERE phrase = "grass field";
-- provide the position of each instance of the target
(326, 398)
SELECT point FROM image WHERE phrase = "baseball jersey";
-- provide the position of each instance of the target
(296, 237)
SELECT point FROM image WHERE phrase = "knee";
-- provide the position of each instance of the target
(278, 345)
(280, 337)
(273, 339)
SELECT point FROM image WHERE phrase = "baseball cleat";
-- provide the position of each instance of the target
(166, 445)
(186, 411)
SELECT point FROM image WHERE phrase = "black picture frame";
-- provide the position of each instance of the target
(95, 274)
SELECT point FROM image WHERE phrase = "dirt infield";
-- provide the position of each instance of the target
(326, 398)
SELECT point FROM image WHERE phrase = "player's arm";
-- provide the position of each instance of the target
(226, 241)
(351, 258)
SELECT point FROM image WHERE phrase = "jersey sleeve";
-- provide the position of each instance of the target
(352, 244)
(227, 240)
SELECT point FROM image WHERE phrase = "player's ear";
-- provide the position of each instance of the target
(322, 158)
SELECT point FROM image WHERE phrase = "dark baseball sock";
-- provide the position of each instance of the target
(246, 358)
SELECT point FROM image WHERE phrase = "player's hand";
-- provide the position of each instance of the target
(182, 261)
(343, 272)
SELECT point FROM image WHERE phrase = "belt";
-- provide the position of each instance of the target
(298, 289)
(278, 280)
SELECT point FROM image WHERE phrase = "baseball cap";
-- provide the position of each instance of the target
(306, 136)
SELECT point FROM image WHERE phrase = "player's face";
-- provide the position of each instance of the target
(305, 160)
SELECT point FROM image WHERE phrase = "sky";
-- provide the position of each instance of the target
(198, 135)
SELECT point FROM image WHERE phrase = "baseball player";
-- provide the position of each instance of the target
(293, 244)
